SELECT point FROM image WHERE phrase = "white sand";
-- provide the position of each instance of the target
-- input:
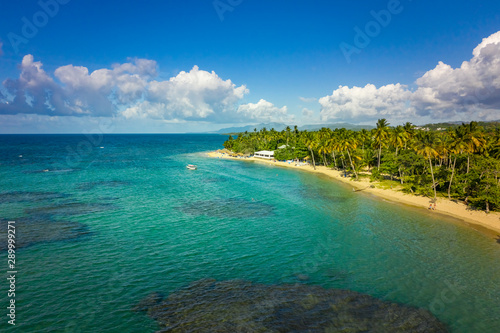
(458, 210)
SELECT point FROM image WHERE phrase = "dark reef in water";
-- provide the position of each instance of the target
(104, 183)
(47, 222)
(241, 306)
(70, 208)
(40, 229)
(24, 196)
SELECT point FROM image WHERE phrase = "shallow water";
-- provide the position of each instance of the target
(151, 225)
(238, 306)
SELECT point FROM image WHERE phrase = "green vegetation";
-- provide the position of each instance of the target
(460, 163)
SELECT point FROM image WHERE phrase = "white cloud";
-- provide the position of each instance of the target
(366, 103)
(77, 93)
(102, 91)
(127, 89)
(307, 113)
(308, 99)
(196, 94)
(471, 91)
(30, 93)
(263, 111)
(142, 67)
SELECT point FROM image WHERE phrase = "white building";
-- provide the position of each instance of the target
(268, 155)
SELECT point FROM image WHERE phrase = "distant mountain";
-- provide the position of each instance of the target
(280, 126)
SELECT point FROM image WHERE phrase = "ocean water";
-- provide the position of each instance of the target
(103, 221)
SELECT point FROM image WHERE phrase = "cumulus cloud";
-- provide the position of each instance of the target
(471, 91)
(78, 92)
(33, 92)
(130, 90)
(307, 113)
(104, 90)
(192, 95)
(263, 111)
(364, 103)
(308, 99)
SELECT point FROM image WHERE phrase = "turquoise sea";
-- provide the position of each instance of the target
(103, 221)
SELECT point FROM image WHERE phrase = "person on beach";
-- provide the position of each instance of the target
(430, 206)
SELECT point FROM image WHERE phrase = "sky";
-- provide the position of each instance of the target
(75, 66)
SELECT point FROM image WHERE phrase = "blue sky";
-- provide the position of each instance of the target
(186, 66)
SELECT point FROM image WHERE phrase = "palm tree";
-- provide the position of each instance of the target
(323, 139)
(310, 142)
(398, 138)
(288, 131)
(333, 146)
(475, 140)
(495, 144)
(348, 141)
(442, 146)
(363, 137)
(409, 128)
(457, 146)
(425, 147)
(380, 136)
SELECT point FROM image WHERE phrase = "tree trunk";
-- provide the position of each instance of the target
(379, 154)
(312, 155)
(400, 175)
(334, 159)
(352, 165)
(433, 182)
(324, 158)
(468, 162)
(451, 178)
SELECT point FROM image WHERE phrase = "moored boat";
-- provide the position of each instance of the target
(191, 167)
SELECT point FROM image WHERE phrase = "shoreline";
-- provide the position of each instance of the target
(489, 221)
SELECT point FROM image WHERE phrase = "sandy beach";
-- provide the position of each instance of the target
(490, 221)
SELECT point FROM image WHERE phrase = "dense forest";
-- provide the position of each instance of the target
(461, 162)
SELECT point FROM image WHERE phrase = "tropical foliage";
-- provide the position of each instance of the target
(460, 162)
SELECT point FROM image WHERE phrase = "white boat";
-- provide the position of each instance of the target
(191, 167)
